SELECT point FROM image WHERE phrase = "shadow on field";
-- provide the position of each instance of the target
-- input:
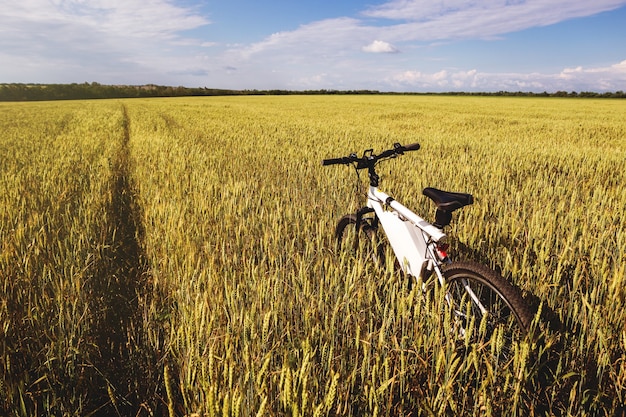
(548, 392)
(128, 380)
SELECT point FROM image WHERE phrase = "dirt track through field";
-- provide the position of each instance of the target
(127, 365)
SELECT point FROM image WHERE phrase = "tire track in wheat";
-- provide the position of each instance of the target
(127, 363)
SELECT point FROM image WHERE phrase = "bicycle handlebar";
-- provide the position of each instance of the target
(334, 161)
(369, 158)
(412, 147)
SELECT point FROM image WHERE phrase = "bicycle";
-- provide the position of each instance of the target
(479, 297)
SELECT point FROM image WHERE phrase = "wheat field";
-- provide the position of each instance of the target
(176, 256)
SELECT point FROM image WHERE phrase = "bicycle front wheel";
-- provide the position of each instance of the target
(363, 242)
(488, 309)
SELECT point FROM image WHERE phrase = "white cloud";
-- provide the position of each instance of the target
(323, 37)
(128, 18)
(103, 40)
(439, 80)
(612, 78)
(526, 12)
(427, 20)
(378, 47)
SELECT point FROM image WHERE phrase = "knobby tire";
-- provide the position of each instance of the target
(367, 232)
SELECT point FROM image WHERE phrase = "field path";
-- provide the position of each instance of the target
(126, 363)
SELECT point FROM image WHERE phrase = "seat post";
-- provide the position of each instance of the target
(442, 218)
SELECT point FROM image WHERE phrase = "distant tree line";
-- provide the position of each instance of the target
(35, 92)
(583, 94)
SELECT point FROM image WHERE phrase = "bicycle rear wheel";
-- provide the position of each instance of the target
(487, 306)
(363, 243)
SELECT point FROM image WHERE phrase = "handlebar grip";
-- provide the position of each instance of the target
(412, 147)
(335, 161)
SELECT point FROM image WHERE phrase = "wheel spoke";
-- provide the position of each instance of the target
(480, 297)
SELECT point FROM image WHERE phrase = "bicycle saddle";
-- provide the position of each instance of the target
(447, 201)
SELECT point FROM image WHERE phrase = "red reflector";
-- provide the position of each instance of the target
(441, 250)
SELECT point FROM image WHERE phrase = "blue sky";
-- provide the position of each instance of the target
(395, 45)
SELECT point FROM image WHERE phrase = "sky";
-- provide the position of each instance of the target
(394, 45)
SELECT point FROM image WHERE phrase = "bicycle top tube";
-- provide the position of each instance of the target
(369, 159)
(377, 197)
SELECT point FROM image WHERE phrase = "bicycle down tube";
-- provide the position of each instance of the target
(408, 233)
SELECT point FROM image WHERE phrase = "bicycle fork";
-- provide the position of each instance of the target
(437, 251)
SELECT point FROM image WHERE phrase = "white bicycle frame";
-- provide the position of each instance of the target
(413, 239)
